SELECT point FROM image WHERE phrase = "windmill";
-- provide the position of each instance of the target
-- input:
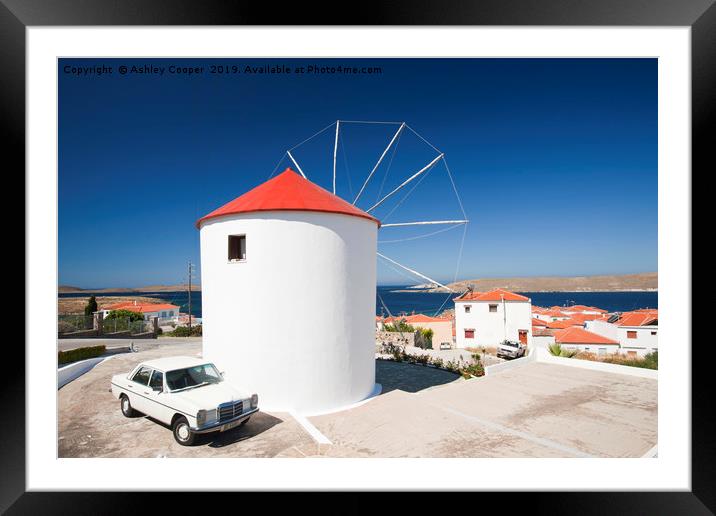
(289, 269)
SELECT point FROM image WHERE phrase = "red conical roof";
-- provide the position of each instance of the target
(287, 192)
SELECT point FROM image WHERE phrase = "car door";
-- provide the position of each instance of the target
(157, 398)
(136, 387)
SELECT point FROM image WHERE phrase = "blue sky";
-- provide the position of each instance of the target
(555, 161)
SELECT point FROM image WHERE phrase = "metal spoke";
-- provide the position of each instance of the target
(406, 182)
(415, 272)
(295, 163)
(395, 137)
(395, 224)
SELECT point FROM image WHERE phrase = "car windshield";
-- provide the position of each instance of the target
(511, 344)
(192, 377)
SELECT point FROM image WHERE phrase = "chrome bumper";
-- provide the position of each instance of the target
(213, 427)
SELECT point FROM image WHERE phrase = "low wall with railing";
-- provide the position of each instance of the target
(93, 326)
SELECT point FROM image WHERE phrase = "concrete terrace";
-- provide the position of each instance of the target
(535, 410)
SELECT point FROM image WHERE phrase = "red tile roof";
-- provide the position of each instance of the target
(582, 308)
(287, 192)
(561, 324)
(141, 307)
(645, 317)
(496, 294)
(576, 335)
(582, 318)
(538, 322)
(415, 318)
(555, 313)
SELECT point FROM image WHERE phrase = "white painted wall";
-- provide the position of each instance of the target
(544, 355)
(491, 328)
(442, 331)
(294, 321)
(643, 344)
(597, 349)
(542, 341)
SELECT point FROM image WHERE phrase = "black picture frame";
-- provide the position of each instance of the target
(700, 15)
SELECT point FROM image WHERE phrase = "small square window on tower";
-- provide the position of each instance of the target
(237, 248)
(493, 308)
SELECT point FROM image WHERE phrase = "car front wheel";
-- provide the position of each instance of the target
(127, 409)
(182, 432)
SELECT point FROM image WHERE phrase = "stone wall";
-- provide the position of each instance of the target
(393, 337)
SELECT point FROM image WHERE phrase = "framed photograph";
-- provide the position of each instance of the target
(427, 250)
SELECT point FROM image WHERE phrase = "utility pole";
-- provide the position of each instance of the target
(190, 294)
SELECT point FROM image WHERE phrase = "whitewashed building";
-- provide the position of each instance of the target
(488, 318)
(288, 274)
(635, 331)
(576, 338)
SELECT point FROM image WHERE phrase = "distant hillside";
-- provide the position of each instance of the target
(625, 282)
(66, 289)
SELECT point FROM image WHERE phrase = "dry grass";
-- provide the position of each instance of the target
(487, 350)
(649, 361)
(76, 305)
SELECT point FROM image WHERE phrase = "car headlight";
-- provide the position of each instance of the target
(254, 400)
(204, 417)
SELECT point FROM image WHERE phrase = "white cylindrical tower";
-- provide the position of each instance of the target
(288, 275)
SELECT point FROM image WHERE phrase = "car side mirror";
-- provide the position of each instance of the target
(157, 389)
(222, 373)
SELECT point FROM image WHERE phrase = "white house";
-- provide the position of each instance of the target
(288, 274)
(441, 326)
(549, 314)
(635, 331)
(164, 311)
(580, 339)
(582, 309)
(488, 318)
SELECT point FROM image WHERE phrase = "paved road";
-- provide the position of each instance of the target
(140, 344)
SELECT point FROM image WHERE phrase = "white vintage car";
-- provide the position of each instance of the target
(189, 394)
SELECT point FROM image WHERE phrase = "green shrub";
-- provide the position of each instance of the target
(185, 331)
(124, 314)
(400, 326)
(73, 355)
(459, 367)
(474, 369)
(424, 338)
(558, 351)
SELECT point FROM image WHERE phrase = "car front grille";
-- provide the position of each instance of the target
(229, 411)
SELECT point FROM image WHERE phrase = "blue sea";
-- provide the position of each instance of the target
(430, 303)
